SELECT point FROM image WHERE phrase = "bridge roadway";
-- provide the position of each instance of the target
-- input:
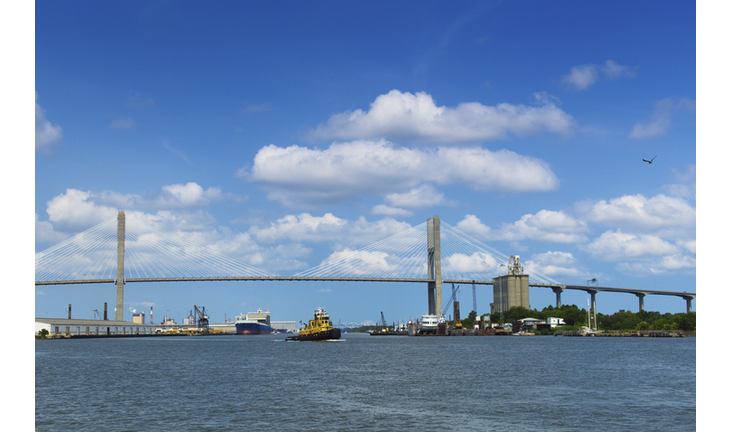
(557, 288)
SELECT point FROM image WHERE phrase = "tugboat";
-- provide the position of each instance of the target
(319, 328)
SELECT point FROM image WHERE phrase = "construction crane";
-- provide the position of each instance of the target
(383, 320)
(451, 299)
(457, 321)
(97, 314)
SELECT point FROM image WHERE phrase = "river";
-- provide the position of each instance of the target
(366, 383)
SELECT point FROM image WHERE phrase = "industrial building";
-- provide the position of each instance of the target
(60, 327)
(284, 326)
(511, 289)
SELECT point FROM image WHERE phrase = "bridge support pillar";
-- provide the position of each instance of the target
(434, 289)
(592, 309)
(558, 291)
(688, 304)
(642, 301)
(119, 311)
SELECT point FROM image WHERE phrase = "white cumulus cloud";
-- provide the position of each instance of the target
(618, 246)
(306, 177)
(553, 263)
(661, 212)
(327, 228)
(416, 117)
(546, 225)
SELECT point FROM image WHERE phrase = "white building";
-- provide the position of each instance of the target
(555, 322)
(60, 327)
(288, 326)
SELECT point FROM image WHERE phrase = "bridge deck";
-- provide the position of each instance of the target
(353, 279)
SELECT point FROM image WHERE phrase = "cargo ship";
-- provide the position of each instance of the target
(319, 328)
(253, 323)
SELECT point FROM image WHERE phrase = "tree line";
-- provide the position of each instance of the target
(624, 320)
(576, 318)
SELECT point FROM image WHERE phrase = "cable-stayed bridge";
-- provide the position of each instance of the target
(129, 250)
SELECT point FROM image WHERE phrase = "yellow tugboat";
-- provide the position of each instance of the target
(319, 328)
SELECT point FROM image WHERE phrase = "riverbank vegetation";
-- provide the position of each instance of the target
(575, 318)
(620, 321)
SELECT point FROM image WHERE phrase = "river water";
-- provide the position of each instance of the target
(368, 383)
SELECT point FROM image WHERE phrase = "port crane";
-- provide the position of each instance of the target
(202, 318)
(453, 298)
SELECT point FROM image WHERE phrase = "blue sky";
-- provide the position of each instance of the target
(289, 131)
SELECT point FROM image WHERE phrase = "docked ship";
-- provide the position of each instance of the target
(319, 328)
(430, 324)
(253, 323)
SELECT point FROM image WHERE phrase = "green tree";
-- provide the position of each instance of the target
(469, 322)
(686, 322)
(42, 334)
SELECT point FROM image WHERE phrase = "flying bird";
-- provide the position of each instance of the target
(649, 161)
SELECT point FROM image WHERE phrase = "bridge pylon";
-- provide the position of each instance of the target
(119, 311)
(434, 289)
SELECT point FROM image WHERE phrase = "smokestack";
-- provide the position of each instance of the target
(105, 311)
(69, 310)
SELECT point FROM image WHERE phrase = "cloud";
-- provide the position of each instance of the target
(47, 134)
(553, 263)
(423, 196)
(685, 187)
(327, 228)
(472, 225)
(45, 232)
(458, 264)
(581, 77)
(382, 209)
(614, 70)
(188, 195)
(584, 76)
(176, 152)
(304, 227)
(138, 101)
(671, 216)
(122, 123)
(359, 263)
(303, 177)
(615, 245)
(175, 196)
(75, 211)
(660, 122)
(546, 225)
(416, 117)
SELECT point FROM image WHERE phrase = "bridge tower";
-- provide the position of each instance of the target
(434, 289)
(119, 311)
